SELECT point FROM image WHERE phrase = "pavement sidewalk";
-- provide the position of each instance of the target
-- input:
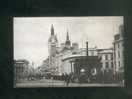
(57, 83)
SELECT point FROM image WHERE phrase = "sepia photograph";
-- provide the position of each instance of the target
(68, 51)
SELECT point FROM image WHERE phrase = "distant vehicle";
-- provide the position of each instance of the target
(47, 75)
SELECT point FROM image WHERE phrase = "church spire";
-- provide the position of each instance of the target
(67, 37)
(68, 42)
(52, 29)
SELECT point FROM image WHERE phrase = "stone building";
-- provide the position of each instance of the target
(52, 46)
(106, 58)
(20, 69)
(61, 58)
(119, 50)
(68, 59)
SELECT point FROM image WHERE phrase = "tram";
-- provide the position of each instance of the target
(87, 69)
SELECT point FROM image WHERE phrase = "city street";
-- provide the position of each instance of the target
(88, 59)
(56, 83)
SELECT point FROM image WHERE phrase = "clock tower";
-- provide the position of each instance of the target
(52, 46)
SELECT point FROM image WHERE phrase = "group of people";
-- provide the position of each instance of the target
(67, 78)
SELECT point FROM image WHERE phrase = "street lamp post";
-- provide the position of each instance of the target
(71, 65)
(87, 54)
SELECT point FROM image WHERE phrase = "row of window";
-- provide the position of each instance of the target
(106, 57)
(107, 65)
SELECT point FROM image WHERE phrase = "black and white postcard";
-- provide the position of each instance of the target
(68, 51)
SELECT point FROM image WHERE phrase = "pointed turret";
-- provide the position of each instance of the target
(68, 42)
(52, 29)
(67, 37)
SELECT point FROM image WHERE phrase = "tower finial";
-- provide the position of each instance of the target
(67, 37)
(68, 42)
(52, 29)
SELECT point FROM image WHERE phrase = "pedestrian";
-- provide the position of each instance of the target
(68, 80)
(65, 78)
(71, 76)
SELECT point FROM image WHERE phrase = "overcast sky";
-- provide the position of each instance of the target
(31, 34)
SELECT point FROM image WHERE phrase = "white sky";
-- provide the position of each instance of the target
(31, 34)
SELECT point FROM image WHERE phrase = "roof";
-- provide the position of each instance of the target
(21, 61)
(101, 51)
(81, 57)
(87, 58)
(88, 62)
